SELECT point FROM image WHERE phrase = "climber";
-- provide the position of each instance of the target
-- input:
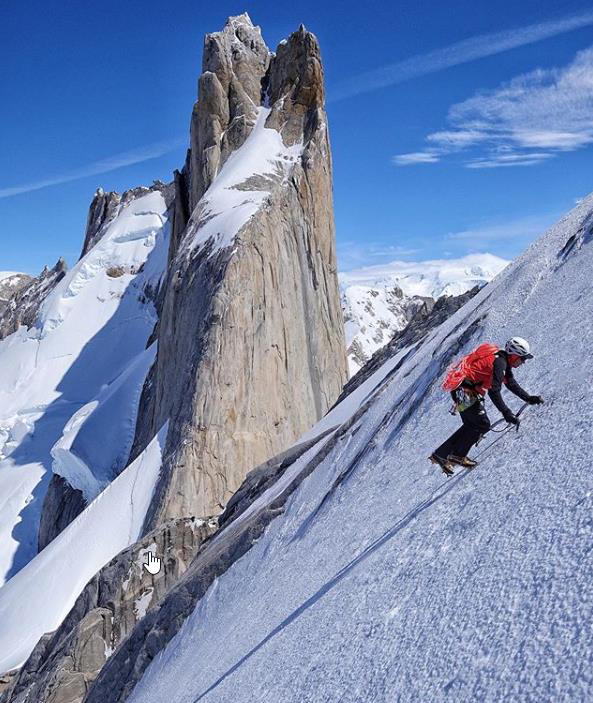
(485, 369)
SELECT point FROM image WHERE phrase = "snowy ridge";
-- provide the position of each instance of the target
(229, 203)
(432, 278)
(9, 274)
(39, 597)
(10, 282)
(383, 580)
(86, 354)
(378, 301)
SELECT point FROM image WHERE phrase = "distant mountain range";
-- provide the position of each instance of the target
(378, 301)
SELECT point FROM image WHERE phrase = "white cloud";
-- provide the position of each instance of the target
(462, 52)
(111, 163)
(352, 253)
(418, 157)
(519, 159)
(547, 111)
(516, 231)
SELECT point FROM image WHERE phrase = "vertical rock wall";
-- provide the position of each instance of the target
(251, 343)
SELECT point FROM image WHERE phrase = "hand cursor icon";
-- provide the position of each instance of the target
(152, 563)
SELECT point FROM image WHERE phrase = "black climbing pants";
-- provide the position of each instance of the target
(475, 423)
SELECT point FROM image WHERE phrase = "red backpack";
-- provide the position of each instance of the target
(475, 367)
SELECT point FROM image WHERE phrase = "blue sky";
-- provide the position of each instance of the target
(454, 128)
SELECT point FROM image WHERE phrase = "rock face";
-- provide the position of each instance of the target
(61, 505)
(102, 210)
(9, 286)
(234, 64)
(65, 663)
(22, 306)
(260, 321)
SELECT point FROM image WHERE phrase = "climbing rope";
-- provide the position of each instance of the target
(500, 432)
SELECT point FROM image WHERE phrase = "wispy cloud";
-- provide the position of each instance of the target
(111, 163)
(417, 157)
(524, 121)
(465, 51)
(352, 254)
(517, 232)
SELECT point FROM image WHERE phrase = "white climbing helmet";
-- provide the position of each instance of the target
(519, 346)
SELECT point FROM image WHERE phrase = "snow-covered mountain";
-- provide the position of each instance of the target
(378, 301)
(10, 283)
(70, 384)
(383, 580)
(198, 335)
(9, 274)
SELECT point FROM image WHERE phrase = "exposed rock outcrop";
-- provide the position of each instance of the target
(65, 663)
(61, 505)
(22, 306)
(234, 64)
(259, 321)
(10, 286)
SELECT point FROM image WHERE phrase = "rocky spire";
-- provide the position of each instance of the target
(259, 322)
(234, 64)
(102, 210)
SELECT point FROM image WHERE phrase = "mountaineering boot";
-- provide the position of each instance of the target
(462, 461)
(445, 464)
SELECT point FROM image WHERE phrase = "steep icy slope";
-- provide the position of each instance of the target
(383, 580)
(378, 301)
(70, 384)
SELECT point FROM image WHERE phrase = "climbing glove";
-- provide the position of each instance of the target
(511, 419)
(535, 400)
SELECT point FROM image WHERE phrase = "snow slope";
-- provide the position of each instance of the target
(225, 207)
(70, 386)
(39, 597)
(386, 581)
(377, 301)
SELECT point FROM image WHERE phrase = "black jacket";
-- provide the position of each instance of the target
(501, 369)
